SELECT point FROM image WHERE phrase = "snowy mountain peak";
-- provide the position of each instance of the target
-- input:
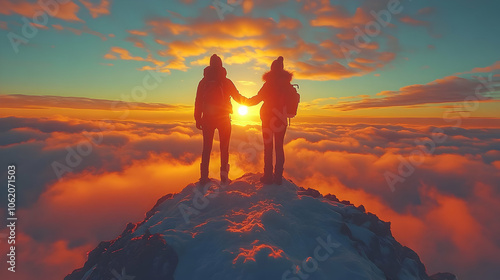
(247, 230)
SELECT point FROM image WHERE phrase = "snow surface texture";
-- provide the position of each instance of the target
(247, 230)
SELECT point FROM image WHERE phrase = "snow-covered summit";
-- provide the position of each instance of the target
(247, 230)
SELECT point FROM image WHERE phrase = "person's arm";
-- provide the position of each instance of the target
(198, 105)
(234, 93)
(258, 98)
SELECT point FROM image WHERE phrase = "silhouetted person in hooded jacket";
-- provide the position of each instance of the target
(274, 120)
(212, 111)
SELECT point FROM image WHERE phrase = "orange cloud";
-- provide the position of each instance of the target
(87, 30)
(494, 67)
(97, 9)
(57, 251)
(39, 26)
(258, 41)
(137, 32)
(79, 32)
(122, 54)
(445, 90)
(47, 101)
(57, 26)
(454, 221)
(324, 72)
(338, 17)
(412, 21)
(289, 23)
(66, 11)
(56, 258)
(449, 203)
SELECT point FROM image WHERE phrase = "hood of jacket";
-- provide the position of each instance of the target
(281, 75)
(213, 72)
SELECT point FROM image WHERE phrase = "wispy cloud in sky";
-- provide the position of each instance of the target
(447, 90)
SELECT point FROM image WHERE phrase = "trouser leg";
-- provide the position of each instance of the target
(279, 137)
(267, 137)
(224, 138)
(208, 138)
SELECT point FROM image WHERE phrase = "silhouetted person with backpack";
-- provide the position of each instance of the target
(280, 102)
(212, 111)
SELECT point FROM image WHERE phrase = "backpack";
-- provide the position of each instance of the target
(292, 100)
(213, 98)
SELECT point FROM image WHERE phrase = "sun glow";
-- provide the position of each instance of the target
(243, 110)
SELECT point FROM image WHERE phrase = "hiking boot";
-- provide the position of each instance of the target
(267, 179)
(224, 175)
(278, 175)
(278, 179)
(204, 181)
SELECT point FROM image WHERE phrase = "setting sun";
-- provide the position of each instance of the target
(243, 110)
